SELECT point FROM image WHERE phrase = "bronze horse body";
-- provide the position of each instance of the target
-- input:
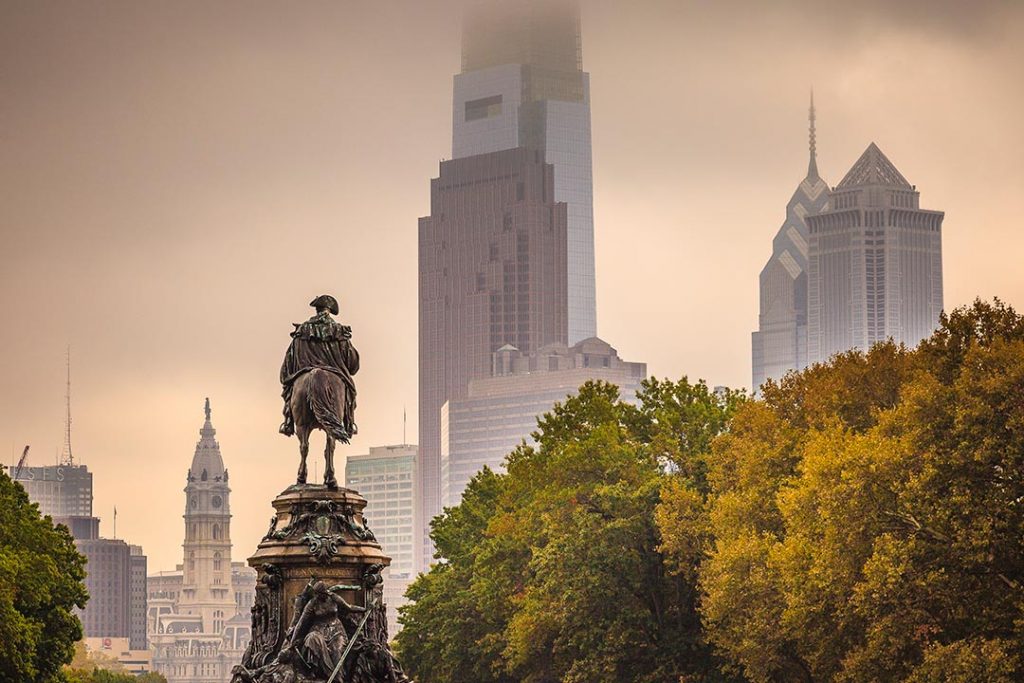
(318, 402)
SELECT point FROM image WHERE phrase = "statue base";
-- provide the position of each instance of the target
(319, 614)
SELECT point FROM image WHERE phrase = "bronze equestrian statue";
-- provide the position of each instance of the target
(318, 389)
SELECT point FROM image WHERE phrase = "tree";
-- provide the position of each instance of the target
(555, 571)
(41, 577)
(867, 515)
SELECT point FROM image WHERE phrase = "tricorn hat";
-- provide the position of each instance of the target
(325, 301)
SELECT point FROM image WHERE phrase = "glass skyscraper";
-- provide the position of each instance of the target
(523, 85)
(506, 255)
(780, 343)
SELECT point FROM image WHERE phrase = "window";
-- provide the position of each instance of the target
(483, 108)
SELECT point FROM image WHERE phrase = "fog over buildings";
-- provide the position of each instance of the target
(159, 161)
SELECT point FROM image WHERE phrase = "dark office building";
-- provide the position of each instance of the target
(137, 598)
(107, 578)
(492, 264)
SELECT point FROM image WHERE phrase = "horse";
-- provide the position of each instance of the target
(318, 402)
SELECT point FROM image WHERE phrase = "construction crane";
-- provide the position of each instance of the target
(21, 463)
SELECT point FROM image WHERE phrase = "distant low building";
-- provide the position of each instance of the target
(135, 660)
(502, 410)
(199, 619)
(385, 477)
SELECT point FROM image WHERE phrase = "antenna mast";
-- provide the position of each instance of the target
(67, 458)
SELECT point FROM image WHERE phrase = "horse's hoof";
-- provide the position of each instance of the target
(300, 480)
(332, 484)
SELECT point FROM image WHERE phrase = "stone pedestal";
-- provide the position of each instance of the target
(318, 535)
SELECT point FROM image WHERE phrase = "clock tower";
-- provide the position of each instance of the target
(206, 571)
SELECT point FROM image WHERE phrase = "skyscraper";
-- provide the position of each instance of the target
(875, 264)
(523, 85)
(492, 272)
(780, 342)
(507, 253)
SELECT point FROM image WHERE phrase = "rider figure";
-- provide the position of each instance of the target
(320, 342)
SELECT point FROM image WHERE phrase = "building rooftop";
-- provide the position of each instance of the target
(873, 168)
(207, 463)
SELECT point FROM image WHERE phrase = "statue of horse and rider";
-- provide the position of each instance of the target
(318, 389)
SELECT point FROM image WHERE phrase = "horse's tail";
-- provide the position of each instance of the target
(324, 401)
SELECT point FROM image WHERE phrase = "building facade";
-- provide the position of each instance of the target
(522, 85)
(875, 264)
(385, 477)
(507, 254)
(108, 580)
(780, 343)
(492, 272)
(198, 617)
(116, 581)
(138, 595)
(60, 490)
(500, 412)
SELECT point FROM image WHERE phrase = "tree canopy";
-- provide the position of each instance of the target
(868, 514)
(41, 576)
(861, 520)
(554, 570)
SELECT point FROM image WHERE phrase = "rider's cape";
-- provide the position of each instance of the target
(321, 342)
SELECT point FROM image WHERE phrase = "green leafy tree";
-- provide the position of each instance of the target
(41, 577)
(555, 571)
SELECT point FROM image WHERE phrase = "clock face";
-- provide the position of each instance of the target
(194, 503)
(216, 502)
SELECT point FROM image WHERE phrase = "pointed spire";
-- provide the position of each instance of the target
(812, 165)
(207, 456)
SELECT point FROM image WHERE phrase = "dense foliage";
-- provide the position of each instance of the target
(41, 577)
(553, 571)
(868, 515)
(862, 520)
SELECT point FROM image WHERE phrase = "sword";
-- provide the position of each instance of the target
(351, 642)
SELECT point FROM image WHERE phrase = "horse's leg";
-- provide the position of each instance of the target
(329, 479)
(303, 434)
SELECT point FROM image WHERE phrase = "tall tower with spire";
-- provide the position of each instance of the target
(200, 613)
(780, 342)
(206, 578)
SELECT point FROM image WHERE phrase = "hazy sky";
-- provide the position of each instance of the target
(178, 180)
